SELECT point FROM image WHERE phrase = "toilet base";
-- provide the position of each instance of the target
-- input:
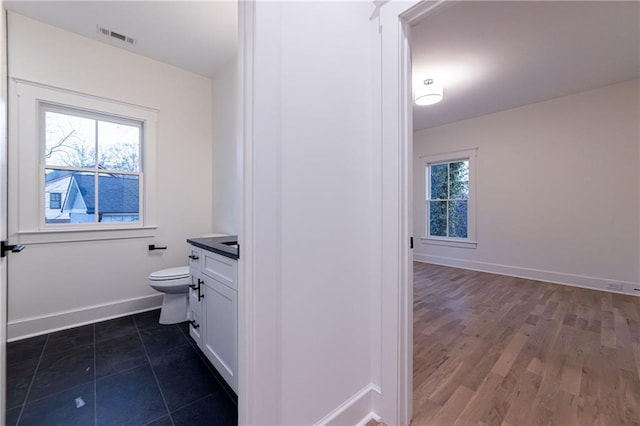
(174, 308)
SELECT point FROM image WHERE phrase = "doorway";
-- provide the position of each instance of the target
(83, 277)
(514, 236)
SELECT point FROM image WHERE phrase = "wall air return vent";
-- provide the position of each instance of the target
(107, 32)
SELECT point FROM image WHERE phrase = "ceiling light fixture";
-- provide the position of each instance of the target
(429, 94)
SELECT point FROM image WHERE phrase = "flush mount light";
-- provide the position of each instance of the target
(428, 94)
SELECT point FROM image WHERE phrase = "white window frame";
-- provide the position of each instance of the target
(451, 157)
(67, 110)
(26, 164)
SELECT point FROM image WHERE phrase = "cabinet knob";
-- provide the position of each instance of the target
(193, 257)
(194, 324)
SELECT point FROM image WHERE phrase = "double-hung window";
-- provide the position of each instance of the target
(92, 161)
(450, 198)
(82, 167)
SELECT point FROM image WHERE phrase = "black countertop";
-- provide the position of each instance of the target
(226, 246)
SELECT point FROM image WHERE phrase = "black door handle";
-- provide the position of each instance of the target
(4, 248)
(200, 296)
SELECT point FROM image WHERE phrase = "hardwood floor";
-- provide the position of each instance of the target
(497, 350)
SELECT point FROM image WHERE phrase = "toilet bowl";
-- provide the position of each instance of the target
(174, 283)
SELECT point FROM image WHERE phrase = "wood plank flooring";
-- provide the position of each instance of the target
(497, 350)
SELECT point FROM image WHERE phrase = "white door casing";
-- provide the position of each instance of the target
(258, 321)
(3, 210)
(396, 19)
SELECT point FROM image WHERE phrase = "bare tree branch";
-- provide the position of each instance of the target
(60, 145)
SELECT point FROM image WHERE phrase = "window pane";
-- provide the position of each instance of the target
(69, 140)
(458, 219)
(119, 198)
(459, 190)
(118, 146)
(80, 204)
(459, 171)
(439, 182)
(438, 218)
(55, 192)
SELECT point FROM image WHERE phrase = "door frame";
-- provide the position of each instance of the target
(3, 208)
(396, 103)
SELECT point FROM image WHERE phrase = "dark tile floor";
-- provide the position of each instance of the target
(126, 371)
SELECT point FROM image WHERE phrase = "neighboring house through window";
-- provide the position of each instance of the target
(101, 156)
(450, 198)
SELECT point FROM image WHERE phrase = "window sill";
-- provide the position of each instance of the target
(48, 236)
(449, 243)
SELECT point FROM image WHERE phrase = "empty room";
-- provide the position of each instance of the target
(526, 224)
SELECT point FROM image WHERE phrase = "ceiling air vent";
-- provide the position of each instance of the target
(107, 32)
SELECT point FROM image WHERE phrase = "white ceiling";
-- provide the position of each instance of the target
(199, 36)
(488, 56)
(493, 56)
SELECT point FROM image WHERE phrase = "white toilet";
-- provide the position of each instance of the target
(174, 283)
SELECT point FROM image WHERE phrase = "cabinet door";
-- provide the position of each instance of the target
(221, 331)
(195, 308)
(220, 268)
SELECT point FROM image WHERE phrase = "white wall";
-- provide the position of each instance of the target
(557, 189)
(309, 215)
(226, 191)
(57, 285)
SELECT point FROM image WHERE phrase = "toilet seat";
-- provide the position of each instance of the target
(170, 274)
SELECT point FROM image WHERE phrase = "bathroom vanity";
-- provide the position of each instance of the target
(213, 302)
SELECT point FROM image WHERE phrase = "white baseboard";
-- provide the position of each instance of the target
(356, 410)
(29, 327)
(593, 283)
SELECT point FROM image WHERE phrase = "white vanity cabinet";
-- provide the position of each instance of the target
(220, 336)
(213, 307)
